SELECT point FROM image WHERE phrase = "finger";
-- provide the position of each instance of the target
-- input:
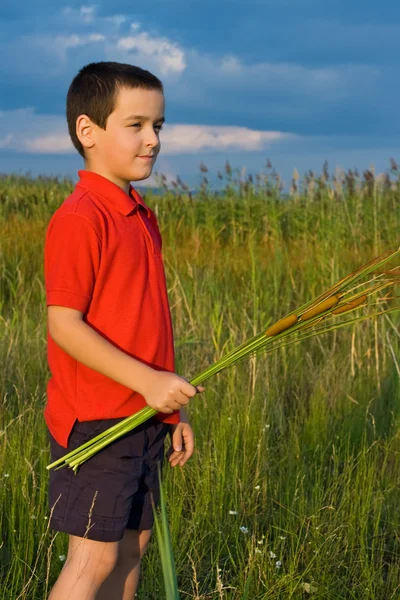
(175, 458)
(200, 388)
(166, 410)
(183, 400)
(174, 405)
(173, 454)
(188, 442)
(188, 389)
(177, 441)
(188, 451)
(183, 459)
(178, 399)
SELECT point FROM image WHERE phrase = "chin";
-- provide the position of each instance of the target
(140, 177)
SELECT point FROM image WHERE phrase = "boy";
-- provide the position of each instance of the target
(110, 339)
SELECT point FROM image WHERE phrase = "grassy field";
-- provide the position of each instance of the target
(294, 488)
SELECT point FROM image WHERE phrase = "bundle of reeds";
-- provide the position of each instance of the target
(313, 318)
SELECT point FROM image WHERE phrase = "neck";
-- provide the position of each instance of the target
(122, 183)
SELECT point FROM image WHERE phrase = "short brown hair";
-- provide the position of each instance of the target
(93, 92)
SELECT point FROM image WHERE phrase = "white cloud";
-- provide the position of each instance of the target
(116, 20)
(179, 139)
(150, 50)
(229, 74)
(87, 13)
(62, 43)
(230, 65)
(6, 141)
(24, 130)
(49, 144)
(48, 55)
(83, 13)
(168, 56)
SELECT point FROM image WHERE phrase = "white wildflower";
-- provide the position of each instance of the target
(6, 475)
(272, 554)
(244, 530)
(62, 557)
(278, 564)
(257, 487)
(309, 588)
(233, 512)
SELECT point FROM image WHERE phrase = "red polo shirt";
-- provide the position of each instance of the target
(103, 257)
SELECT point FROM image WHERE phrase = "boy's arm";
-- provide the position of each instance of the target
(162, 390)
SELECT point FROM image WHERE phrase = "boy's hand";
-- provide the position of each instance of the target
(182, 442)
(166, 392)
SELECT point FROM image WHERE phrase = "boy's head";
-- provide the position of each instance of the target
(115, 112)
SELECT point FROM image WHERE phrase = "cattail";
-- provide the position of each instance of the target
(322, 307)
(350, 305)
(281, 325)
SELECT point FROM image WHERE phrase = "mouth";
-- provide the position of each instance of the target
(147, 157)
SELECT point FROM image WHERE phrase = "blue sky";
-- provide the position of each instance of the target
(295, 81)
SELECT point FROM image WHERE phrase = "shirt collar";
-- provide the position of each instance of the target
(101, 186)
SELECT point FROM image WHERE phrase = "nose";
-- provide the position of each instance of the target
(152, 139)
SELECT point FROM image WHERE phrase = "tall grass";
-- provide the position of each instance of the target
(293, 490)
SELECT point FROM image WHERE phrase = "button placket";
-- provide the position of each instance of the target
(148, 234)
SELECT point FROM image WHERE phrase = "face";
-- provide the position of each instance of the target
(132, 131)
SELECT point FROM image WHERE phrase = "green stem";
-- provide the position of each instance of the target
(144, 412)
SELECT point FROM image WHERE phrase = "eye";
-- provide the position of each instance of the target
(159, 127)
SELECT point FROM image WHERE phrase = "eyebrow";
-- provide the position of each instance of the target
(132, 117)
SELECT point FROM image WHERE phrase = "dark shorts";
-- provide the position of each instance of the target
(112, 490)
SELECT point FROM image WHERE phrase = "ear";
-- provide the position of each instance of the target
(85, 131)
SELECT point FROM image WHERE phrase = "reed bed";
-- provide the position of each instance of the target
(293, 490)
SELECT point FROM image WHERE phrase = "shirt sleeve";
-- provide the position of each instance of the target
(172, 418)
(72, 260)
